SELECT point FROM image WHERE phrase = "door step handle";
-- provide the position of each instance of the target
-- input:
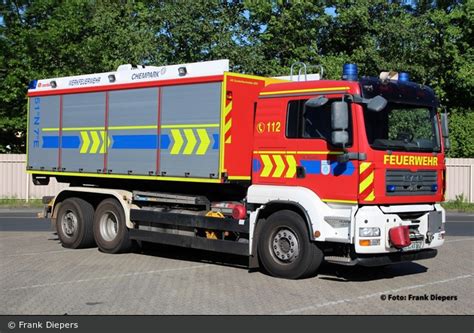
(300, 172)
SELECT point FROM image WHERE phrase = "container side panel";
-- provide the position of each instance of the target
(43, 145)
(132, 131)
(190, 120)
(238, 124)
(83, 134)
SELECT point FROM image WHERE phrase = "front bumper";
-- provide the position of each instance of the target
(374, 217)
(372, 260)
(382, 259)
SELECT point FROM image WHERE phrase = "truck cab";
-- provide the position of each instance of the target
(368, 157)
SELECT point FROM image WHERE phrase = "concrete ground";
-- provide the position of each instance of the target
(38, 276)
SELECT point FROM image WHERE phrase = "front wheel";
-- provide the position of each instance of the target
(110, 230)
(285, 249)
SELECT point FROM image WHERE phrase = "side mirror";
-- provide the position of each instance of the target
(377, 104)
(316, 102)
(339, 123)
(445, 130)
(339, 138)
(339, 116)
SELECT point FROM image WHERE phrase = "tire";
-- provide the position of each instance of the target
(74, 223)
(284, 247)
(110, 230)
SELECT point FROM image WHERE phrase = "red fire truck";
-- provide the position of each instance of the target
(287, 171)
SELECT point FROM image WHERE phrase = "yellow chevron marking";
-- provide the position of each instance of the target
(178, 141)
(280, 166)
(370, 197)
(205, 141)
(366, 182)
(85, 142)
(95, 142)
(267, 166)
(104, 142)
(290, 173)
(188, 150)
(364, 166)
(227, 126)
(109, 141)
(227, 109)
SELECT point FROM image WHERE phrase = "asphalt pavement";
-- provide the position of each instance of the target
(38, 276)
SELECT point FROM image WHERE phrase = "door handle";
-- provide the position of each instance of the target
(300, 172)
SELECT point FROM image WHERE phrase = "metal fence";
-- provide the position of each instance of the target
(16, 183)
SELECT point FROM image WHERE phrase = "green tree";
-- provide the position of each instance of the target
(51, 38)
(430, 39)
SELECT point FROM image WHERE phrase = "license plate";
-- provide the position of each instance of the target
(414, 246)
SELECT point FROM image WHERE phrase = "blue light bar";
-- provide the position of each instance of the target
(391, 188)
(349, 72)
(403, 77)
(32, 84)
(434, 187)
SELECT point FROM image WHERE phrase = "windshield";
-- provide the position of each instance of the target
(402, 128)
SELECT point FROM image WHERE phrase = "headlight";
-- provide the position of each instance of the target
(369, 232)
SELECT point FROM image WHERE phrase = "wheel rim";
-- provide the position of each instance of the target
(69, 223)
(284, 245)
(108, 226)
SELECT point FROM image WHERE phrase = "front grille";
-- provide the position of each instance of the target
(406, 182)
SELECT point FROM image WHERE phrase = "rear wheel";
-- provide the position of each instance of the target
(285, 249)
(110, 230)
(74, 223)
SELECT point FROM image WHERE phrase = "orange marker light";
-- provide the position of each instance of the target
(364, 242)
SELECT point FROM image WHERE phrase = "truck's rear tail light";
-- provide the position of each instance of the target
(239, 212)
(400, 236)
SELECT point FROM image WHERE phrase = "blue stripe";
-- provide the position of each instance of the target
(145, 141)
(50, 141)
(312, 167)
(68, 141)
(256, 165)
(337, 169)
(216, 141)
(342, 169)
(134, 141)
(165, 141)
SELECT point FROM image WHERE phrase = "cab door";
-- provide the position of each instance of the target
(304, 146)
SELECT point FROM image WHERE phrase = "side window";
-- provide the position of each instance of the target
(293, 121)
(311, 123)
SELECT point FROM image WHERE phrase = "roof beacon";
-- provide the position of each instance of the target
(403, 77)
(349, 72)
